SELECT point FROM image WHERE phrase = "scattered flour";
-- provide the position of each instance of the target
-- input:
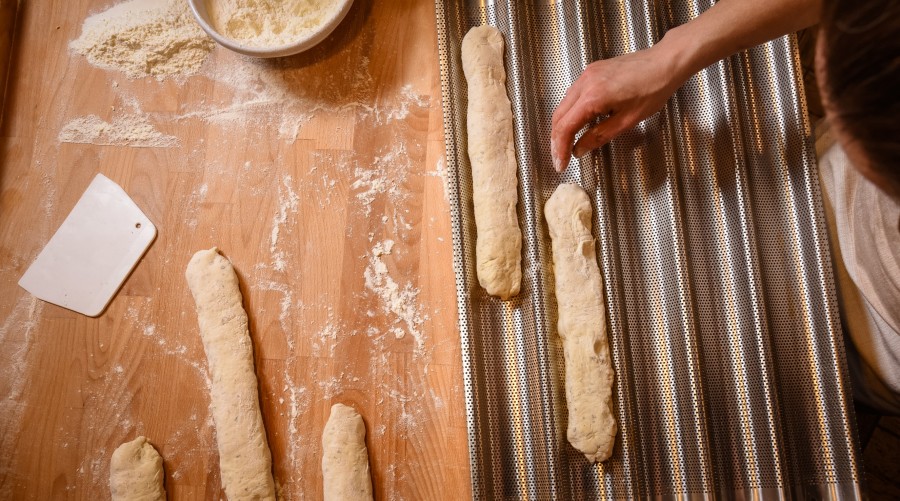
(161, 38)
(401, 303)
(401, 109)
(17, 335)
(370, 184)
(98, 463)
(286, 304)
(49, 184)
(264, 23)
(278, 96)
(441, 172)
(335, 385)
(329, 335)
(193, 202)
(386, 176)
(126, 130)
(142, 38)
(288, 202)
(273, 97)
(299, 399)
(437, 400)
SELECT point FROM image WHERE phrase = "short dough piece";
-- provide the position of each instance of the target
(582, 323)
(345, 460)
(136, 472)
(491, 152)
(244, 458)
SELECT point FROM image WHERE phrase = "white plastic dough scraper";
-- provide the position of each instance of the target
(92, 253)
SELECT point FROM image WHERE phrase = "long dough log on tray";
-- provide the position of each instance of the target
(493, 158)
(582, 323)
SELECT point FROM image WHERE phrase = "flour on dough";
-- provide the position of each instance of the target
(489, 127)
(345, 460)
(136, 472)
(582, 323)
(244, 458)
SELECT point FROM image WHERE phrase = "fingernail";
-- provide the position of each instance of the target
(553, 156)
(579, 151)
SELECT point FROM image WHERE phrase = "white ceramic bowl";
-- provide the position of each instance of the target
(198, 7)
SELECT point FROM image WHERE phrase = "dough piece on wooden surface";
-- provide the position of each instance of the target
(244, 458)
(582, 323)
(492, 155)
(136, 472)
(345, 460)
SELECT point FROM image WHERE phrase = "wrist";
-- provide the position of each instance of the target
(681, 54)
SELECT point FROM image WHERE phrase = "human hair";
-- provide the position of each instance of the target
(860, 80)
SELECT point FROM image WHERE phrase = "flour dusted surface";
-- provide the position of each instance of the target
(264, 23)
(147, 351)
(397, 302)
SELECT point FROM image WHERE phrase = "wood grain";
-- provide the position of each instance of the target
(8, 9)
(73, 388)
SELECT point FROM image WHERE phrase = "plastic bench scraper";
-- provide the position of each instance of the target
(93, 252)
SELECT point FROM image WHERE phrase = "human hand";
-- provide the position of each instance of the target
(627, 89)
(630, 88)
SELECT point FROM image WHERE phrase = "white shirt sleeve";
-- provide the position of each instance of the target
(864, 229)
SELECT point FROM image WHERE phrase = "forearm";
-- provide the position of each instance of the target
(730, 26)
(631, 87)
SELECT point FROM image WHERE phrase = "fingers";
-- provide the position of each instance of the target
(562, 135)
(560, 147)
(572, 96)
(600, 134)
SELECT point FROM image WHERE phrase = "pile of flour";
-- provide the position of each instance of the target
(127, 130)
(141, 38)
(264, 23)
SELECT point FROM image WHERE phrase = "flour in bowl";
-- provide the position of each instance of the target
(268, 23)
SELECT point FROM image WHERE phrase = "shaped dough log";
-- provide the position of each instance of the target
(345, 460)
(244, 458)
(582, 323)
(136, 472)
(494, 184)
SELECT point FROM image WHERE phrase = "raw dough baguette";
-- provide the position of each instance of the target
(244, 458)
(582, 323)
(136, 472)
(494, 184)
(345, 460)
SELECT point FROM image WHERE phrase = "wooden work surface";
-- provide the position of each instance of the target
(295, 196)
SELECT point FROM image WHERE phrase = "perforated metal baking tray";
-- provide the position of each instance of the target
(730, 372)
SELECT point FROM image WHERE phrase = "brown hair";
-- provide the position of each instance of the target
(861, 81)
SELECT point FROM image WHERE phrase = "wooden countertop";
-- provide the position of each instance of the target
(297, 196)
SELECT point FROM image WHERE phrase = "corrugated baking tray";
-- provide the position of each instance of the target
(730, 371)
